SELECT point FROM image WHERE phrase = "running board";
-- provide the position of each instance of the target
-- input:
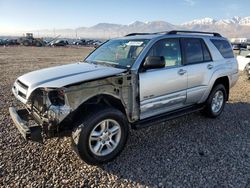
(166, 116)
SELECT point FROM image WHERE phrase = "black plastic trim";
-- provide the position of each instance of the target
(166, 116)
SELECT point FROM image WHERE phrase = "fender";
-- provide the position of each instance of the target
(222, 71)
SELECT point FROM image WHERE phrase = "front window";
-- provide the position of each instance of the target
(169, 49)
(118, 53)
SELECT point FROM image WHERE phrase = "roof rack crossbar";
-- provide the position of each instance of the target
(198, 32)
(133, 34)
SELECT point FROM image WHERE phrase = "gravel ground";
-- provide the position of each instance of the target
(192, 151)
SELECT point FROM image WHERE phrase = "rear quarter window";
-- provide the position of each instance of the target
(224, 48)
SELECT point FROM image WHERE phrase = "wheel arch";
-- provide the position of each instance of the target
(95, 102)
(223, 79)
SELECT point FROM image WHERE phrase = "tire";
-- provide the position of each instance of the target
(210, 110)
(26, 43)
(38, 44)
(93, 125)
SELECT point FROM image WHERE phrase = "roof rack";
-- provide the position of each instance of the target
(133, 34)
(175, 32)
(198, 32)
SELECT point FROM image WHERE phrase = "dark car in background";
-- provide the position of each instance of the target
(60, 43)
(2, 42)
(81, 42)
(9, 42)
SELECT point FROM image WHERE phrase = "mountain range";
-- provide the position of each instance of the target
(234, 27)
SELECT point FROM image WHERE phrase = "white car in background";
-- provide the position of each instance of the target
(244, 62)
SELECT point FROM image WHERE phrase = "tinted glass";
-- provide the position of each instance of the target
(206, 54)
(193, 50)
(224, 48)
(169, 49)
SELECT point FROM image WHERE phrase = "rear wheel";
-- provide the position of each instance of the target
(26, 43)
(38, 44)
(101, 136)
(216, 101)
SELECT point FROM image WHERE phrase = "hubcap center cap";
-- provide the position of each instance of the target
(105, 136)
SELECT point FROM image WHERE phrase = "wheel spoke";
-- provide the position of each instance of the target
(109, 146)
(114, 130)
(95, 136)
(112, 142)
(104, 125)
(98, 147)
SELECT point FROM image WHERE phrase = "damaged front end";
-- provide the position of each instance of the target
(43, 111)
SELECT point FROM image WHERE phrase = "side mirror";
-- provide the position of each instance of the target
(154, 62)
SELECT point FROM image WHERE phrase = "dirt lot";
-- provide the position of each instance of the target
(191, 151)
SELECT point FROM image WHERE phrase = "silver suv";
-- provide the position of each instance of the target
(134, 81)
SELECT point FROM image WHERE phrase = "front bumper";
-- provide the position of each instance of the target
(19, 122)
(233, 79)
(20, 117)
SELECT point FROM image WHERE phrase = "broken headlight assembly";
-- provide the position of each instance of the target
(57, 97)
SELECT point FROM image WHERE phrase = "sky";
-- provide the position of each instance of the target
(24, 15)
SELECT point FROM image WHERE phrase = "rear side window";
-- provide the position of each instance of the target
(195, 51)
(224, 48)
(206, 53)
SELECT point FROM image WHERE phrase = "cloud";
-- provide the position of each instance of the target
(190, 2)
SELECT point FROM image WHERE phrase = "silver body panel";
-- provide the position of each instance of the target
(164, 90)
(59, 76)
(161, 91)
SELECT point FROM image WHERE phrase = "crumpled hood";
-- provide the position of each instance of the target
(59, 76)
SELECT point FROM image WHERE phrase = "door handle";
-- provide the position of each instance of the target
(181, 72)
(209, 66)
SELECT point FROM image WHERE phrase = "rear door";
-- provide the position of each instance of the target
(164, 89)
(199, 65)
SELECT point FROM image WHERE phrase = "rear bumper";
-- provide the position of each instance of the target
(28, 132)
(233, 79)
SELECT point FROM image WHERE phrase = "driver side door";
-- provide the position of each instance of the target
(164, 89)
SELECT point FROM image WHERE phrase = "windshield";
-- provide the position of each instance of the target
(118, 53)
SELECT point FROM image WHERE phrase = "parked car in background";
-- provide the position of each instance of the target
(97, 43)
(10, 42)
(2, 42)
(80, 42)
(244, 61)
(59, 43)
(236, 46)
(239, 46)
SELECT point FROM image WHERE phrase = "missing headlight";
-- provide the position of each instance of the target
(56, 97)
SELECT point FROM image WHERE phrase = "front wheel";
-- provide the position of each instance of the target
(101, 136)
(216, 101)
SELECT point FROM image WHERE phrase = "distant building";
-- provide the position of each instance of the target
(239, 40)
